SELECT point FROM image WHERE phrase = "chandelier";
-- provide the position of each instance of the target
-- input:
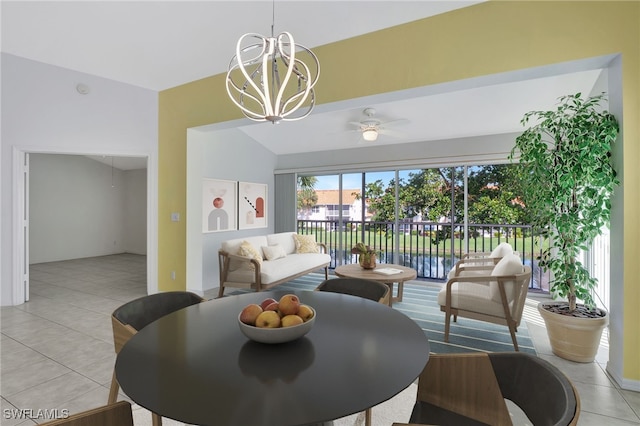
(268, 81)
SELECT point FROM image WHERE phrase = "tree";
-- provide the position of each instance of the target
(495, 195)
(307, 197)
(380, 200)
(427, 193)
(569, 180)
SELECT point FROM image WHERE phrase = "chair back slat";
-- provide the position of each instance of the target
(464, 384)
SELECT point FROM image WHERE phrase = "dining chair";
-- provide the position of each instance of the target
(367, 289)
(471, 388)
(497, 296)
(131, 317)
(116, 414)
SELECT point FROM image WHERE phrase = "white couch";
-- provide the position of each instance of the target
(268, 260)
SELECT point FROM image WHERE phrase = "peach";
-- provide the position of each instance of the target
(305, 312)
(272, 307)
(291, 320)
(289, 304)
(268, 319)
(267, 302)
(250, 313)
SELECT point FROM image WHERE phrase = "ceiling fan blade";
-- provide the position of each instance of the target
(390, 132)
(342, 132)
(397, 122)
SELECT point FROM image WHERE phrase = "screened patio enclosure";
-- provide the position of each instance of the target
(426, 219)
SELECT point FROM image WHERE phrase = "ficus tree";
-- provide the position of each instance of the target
(568, 180)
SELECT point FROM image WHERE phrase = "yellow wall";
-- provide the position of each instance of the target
(484, 39)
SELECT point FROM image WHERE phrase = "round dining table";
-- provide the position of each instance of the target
(196, 366)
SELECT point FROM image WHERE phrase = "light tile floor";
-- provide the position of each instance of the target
(56, 351)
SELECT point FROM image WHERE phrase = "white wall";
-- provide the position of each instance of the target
(79, 207)
(135, 208)
(226, 155)
(42, 112)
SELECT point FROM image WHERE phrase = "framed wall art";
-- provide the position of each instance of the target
(219, 205)
(252, 205)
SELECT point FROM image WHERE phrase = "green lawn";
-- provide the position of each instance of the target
(424, 245)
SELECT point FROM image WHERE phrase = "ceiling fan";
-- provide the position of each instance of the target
(370, 127)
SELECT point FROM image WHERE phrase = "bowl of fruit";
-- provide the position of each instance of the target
(277, 321)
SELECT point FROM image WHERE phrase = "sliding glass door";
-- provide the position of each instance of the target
(421, 218)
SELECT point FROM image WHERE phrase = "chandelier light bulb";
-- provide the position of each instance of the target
(255, 84)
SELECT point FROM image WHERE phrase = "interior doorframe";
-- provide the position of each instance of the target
(20, 226)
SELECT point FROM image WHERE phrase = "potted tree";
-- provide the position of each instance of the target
(568, 180)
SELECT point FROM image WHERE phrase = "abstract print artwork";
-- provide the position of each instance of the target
(219, 204)
(252, 205)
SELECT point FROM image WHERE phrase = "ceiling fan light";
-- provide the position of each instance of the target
(370, 135)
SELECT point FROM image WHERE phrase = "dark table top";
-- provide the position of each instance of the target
(196, 366)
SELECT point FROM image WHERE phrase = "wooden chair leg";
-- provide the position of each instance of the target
(157, 420)
(447, 322)
(512, 330)
(367, 417)
(221, 291)
(113, 390)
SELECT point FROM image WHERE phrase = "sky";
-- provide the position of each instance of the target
(354, 180)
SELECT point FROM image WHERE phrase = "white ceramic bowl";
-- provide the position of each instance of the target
(277, 335)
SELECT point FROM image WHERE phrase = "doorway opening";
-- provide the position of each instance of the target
(70, 205)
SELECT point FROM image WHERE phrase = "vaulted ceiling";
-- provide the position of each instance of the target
(162, 44)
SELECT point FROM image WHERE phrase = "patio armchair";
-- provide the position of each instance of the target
(497, 296)
(471, 388)
(475, 262)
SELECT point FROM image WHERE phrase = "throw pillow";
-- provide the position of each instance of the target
(273, 252)
(508, 265)
(306, 243)
(247, 250)
(502, 250)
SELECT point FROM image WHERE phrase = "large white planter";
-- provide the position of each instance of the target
(575, 339)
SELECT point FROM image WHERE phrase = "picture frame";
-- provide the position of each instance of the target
(219, 205)
(252, 205)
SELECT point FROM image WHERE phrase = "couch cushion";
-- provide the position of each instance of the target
(282, 268)
(285, 239)
(511, 264)
(306, 243)
(273, 252)
(472, 297)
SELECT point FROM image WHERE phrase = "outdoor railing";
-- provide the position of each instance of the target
(431, 248)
